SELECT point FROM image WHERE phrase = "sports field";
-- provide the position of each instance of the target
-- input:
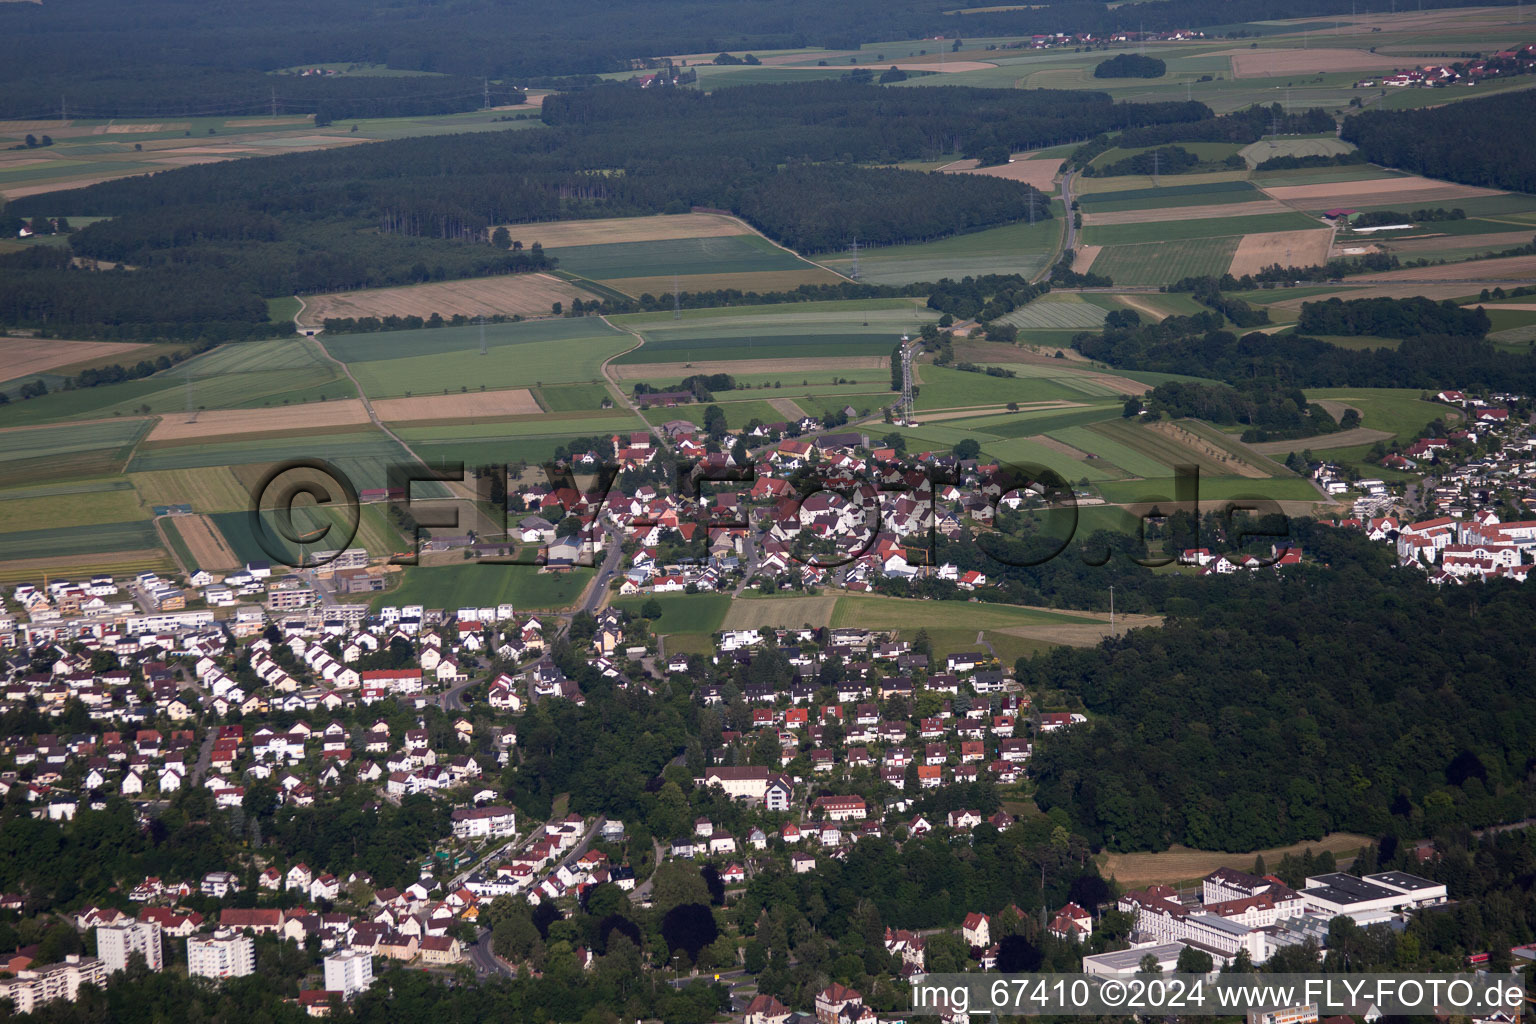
(445, 360)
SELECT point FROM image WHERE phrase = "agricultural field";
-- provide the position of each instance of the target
(455, 586)
(363, 456)
(527, 295)
(739, 413)
(764, 341)
(64, 505)
(698, 614)
(208, 489)
(66, 541)
(1020, 248)
(445, 360)
(282, 372)
(1159, 263)
(1058, 312)
(198, 544)
(744, 260)
(780, 612)
(1035, 169)
(475, 405)
(1398, 411)
(68, 450)
(573, 397)
(25, 359)
(956, 626)
(1399, 189)
(1268, 149)
(1200, 228)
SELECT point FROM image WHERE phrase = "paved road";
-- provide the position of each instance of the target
(1066, 201)
(605, 573)
(204, 756)
(641, 891)
(485, 962)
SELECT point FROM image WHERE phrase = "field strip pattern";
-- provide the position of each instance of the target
(220, 422)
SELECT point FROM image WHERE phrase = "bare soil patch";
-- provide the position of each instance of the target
(1407, 189)
(559, 233)
(1195, 442)
(1037, 171)
(341, 413)
(474, 405)
(794, 371)
(1181, 864)
(506, 294)
(1187, 213)
(1507, 268)
(20, 357)
(208, 547)
(1304, 248)
(1268, 63)
(1082, 259)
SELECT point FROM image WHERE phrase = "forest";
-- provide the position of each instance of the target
(1344, 697)
(1484, 142)
(1198, 346)
(1130, 65)
(168, 56)
(790, 159)
(1393, 318)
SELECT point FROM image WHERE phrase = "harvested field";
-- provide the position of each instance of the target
(1342, 439)
(780, 613)
(21, 357)
(799, 369)
(1287, 248)
(206, 489)
(1508, 268)
(787, 407)
(1493, 242)
(114, 562)
(746, 281)
(1268, 63)
(1181, 864)
(1189, 439)
(206, 544)
(561, 233)
(1038, 171)
(507, 294)
(1162, 213)
(1406, 189)
(1083, 257)
(1059, 447)
(347, 412)
(474, 405)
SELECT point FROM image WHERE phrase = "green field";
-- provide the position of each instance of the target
(1203, 228)
(944, 388)
(573, 397)
(65, 541)
(1058, 312)
(1026, 424)
(1398, 410)
(373, 532)
(235, 375)
(700, 344)
(1160, 263)
(22, 509)
(68, 450)
(363, 456)
(1219, 488)
(1268, 149)
(739, 413)
(698, 614)
(445, 359)
(1204, 194)
(1019, 248)
(728, 254)
(457, 586)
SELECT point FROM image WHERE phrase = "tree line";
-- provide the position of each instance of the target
(1477, 142)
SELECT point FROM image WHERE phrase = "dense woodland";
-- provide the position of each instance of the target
(169, 56)
(790, 159)
(1393, 318)
(1198, 346)
(1478, 142)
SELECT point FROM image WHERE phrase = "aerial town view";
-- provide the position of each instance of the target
(767, 512)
